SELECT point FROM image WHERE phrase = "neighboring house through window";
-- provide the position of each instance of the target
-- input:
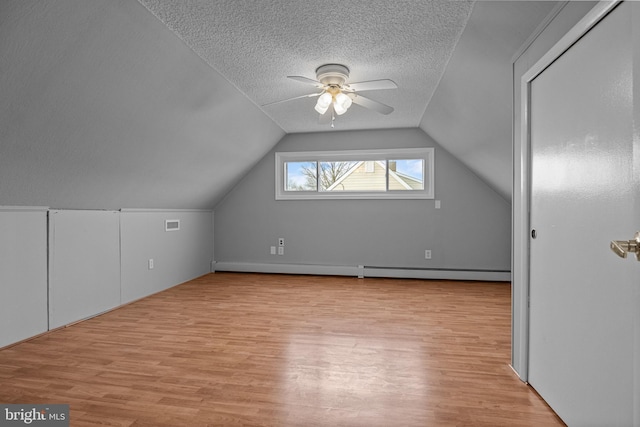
(362, 174)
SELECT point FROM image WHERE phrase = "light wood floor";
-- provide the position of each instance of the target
(277, 350)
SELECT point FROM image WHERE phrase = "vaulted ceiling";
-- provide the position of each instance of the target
(256, 44)
(161, 103)
(458, 51)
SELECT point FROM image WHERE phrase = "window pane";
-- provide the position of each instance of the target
(355, 174)
(300, 176)
(367, 175)
(406, 174)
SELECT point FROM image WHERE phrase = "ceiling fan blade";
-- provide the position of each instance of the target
(373, 85)
(306, 81)
(327, 117)
(311, 95)
(370, 104)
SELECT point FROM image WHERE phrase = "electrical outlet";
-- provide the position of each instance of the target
(281, 241)
(438, 204)
(273, 250)
(427, 254)
(150, 263)
(281, 250)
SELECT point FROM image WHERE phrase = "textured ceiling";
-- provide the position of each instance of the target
(256, 44)
(103, 107)
(110, 104)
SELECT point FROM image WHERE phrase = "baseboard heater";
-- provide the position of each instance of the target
(437, 273)
(363, 271)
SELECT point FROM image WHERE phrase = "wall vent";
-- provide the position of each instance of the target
(172, 225)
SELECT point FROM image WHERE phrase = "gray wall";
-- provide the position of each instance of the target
(178, 256)
(95, 261)
(470, 231)
(23, 273)
(84, 264)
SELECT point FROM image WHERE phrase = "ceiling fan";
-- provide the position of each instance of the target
(336, 95)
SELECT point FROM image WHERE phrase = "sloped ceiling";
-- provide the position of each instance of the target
(256, 44)
(106, 105)
(102, 107)
(451, 61)
(470, 113)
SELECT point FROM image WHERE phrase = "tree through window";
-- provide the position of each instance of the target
(394, 173)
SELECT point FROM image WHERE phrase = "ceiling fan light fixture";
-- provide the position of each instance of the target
(341, 103)
(337, 95)
(323, 102)
(332, 74)
(320, 109)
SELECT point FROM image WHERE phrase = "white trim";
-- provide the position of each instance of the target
(349, 173)
(427, 154)
(521, 252)
(24, 208)
(539, 29)
(437, 274)
(591, 19)
(142, 210)
(321, 270)
(399, 180)
(361, 271)
(369, 166)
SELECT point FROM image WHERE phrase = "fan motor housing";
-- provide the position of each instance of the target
(332, 74)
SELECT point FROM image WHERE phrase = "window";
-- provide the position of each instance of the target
(405, 173)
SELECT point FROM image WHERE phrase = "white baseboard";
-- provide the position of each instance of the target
(23, 208)
(364, 271)
(321, 270)
(438, 274)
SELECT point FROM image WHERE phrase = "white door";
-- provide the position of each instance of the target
(583, 343)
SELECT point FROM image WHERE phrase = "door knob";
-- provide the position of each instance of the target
(623, 247)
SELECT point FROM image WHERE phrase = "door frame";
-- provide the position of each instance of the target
(522, 188)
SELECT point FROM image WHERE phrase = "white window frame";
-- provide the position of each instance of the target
(424, 153)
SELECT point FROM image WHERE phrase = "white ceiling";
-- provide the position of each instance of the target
(105, 105)
(256, 44)
(450, 59)
(470, 113)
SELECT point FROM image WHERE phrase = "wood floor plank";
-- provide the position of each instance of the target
(283, 350)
